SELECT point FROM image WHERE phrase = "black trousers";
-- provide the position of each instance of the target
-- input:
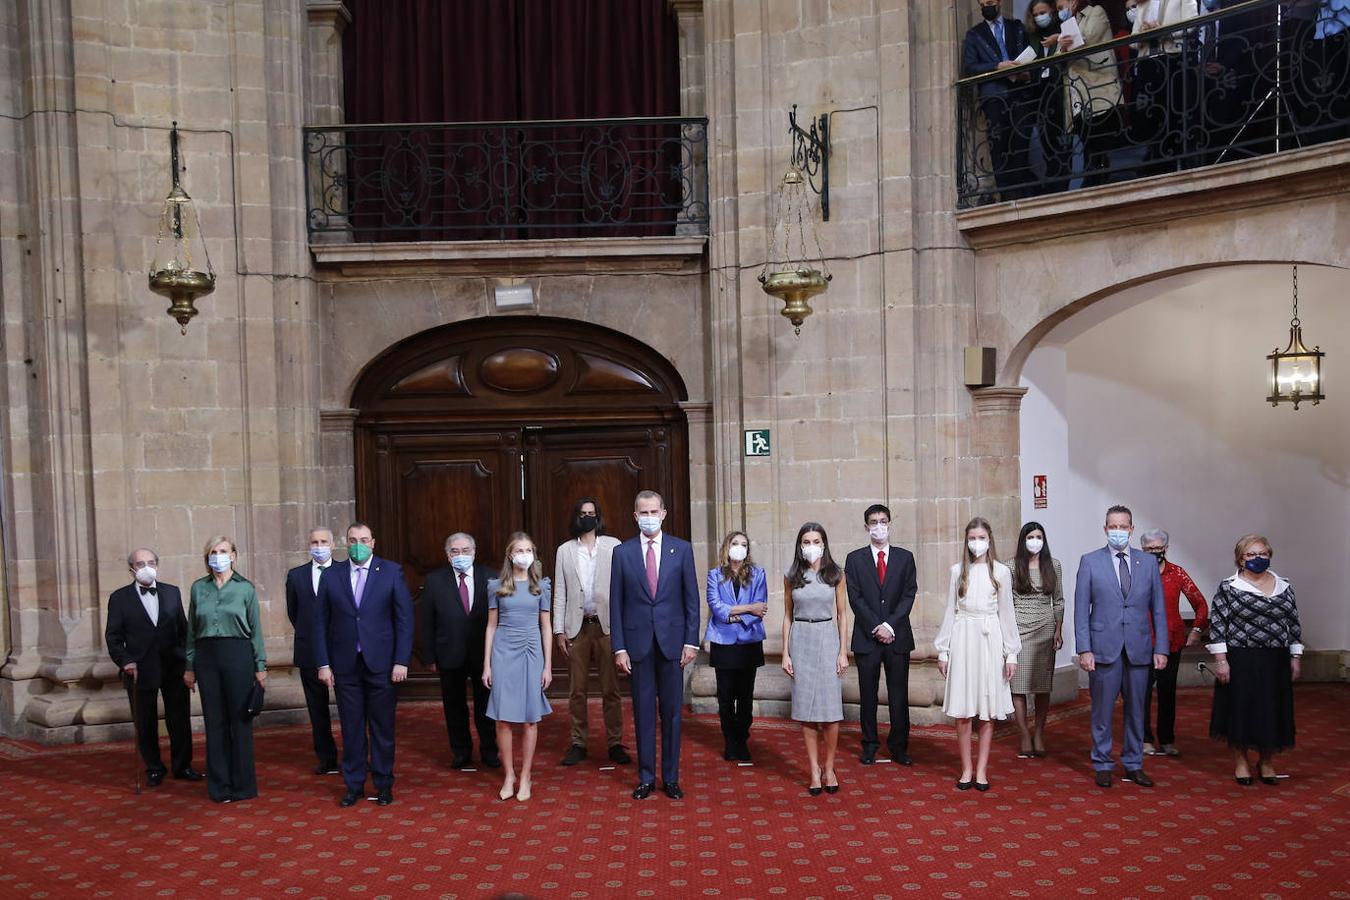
(1166, 681)
(177, 719)
(870, 666)
(320, 719)
(366, 700)
(225, 674)
(456, 707)
(1008, 122)
(735, 696)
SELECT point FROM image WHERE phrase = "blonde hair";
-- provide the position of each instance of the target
(1244, 544)
(507, 578)
(967, 558)
(210, 545)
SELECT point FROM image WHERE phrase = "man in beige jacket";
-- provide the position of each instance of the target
(581, 626)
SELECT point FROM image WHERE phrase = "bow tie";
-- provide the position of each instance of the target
(150, 590)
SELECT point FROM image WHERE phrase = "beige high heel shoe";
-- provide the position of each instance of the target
(524, 793)
(507, 790)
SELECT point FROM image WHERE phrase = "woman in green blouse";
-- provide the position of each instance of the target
(224, 655)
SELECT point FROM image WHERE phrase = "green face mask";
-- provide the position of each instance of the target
(359, 553)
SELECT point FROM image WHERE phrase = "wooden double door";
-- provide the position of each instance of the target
(499, 426)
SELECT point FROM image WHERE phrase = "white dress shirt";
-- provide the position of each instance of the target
(150, 602)
(876, 551)
(586, 558)
(1115, 562)
(315, 573)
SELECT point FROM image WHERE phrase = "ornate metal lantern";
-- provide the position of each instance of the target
(181, 268)
(791, 272)
(1296, 371)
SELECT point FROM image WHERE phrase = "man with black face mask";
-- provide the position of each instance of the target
(581, 626)
(991, 45)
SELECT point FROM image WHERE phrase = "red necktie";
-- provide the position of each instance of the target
(651, 567)
(464, 591)
(881, 566)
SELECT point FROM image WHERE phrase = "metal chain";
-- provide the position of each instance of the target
(1296, 322)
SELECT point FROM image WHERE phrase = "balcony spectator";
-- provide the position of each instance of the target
(1092, 90)
(1321, 83)
(1164, 82)
(992, 45)
(1046, 96)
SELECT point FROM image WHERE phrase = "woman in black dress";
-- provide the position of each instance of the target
(1257, 644)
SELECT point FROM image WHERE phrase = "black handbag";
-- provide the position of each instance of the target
(255, 701)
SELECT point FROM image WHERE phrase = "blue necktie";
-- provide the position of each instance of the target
(1124, 574)
(998, 36)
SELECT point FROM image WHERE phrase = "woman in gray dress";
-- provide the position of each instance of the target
(518, 658)
(814, 650)
(1038, 599)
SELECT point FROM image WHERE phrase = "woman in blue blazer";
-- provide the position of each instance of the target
(738, 599)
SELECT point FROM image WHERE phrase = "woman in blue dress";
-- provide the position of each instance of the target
(518, 659)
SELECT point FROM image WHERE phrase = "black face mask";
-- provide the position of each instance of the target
(990, 13)
(1160, 555)
(588, 523)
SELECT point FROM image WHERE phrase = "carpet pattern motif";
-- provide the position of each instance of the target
(73, 827)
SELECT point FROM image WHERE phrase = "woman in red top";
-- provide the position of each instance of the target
(1175, 582)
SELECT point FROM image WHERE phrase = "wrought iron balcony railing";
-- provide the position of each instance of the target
(1247, 80)
(501, 180)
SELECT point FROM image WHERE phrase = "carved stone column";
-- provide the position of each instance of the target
(996, 447)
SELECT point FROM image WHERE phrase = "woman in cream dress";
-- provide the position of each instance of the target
(977, 649)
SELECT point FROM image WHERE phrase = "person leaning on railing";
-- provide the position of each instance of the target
(1092, 90)
(1164, 81)
(1046, 95)
(992, 45)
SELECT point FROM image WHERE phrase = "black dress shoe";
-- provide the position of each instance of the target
(1103, 779)
(673, 791)
(981, 786)
(384, 796)
(575, 754)
(1139, 778)
(461, 761)
(189, 774)
(964, 785)
(903, 759)
(743, 753)
(619, 756)
(643, 790)
(351, 798)
(326, 769)
(729, 752)
(868, 757)
(492, 762)
(154, 778)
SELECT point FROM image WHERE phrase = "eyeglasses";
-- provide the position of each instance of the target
(453, 552)
(1255, 554)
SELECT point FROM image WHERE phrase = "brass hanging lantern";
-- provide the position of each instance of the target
(181, 268)
(791, 272)
(1296, 371)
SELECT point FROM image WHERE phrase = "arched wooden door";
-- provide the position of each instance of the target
(497, 425)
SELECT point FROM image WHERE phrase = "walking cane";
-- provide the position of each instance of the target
(135, 725)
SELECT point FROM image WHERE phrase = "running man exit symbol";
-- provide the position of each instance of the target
(757, 442)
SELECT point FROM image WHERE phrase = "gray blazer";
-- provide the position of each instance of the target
(567, 597)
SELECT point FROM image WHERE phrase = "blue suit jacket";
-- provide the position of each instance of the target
(382, 627)
(980, 53)
(300, 599)
(637, 620)
(1107, 623)
(722, 597)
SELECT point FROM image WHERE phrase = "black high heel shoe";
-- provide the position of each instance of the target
(1243, 780)
(815, 791)
(831, 788)
(964, 785)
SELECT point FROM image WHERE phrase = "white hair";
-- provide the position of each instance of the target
(1154, 535)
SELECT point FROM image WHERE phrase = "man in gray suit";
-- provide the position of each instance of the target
(1120, 628)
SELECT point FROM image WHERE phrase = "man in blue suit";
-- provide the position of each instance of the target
(1120, 629)
(302, 590)
(989, 46)
(653, 616)
(363, 633)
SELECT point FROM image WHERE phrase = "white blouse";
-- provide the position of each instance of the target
(981, 601)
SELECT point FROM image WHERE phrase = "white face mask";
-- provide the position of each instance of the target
(219, 562)
(812, 552)
(978, 547)
(1034, 545)
(321, 555)
(737, 552)
(649, 525)
(1118, 538)
(522, 560)
(1044, 20)
(880, 533)
(1131, 14)
(146, 575)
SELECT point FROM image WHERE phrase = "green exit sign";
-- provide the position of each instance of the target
(757, 442)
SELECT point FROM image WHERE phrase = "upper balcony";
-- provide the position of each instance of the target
(640, 184)
(1249, 96)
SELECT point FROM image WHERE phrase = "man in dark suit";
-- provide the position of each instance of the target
(654, 618)
(1120, 630)
(882, 583)
(302, 588)
(147, 638)
(989, 46)
(454, 614)
(363, 634)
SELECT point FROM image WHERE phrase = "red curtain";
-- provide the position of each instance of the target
(455, 61)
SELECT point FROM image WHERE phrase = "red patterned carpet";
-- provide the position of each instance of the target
(72, 826)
